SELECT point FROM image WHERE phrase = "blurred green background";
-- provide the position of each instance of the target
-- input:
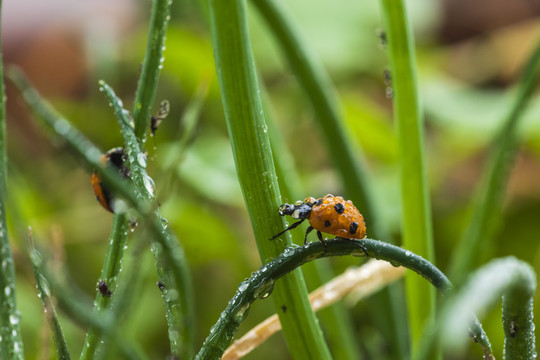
(469, 55)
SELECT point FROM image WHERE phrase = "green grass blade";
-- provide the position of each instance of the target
(109, 274)
(151, 67)
(262, 281)
(171, 264)
(509, 278)
(126, 295)
(518, 324)
(11, 346)
(416, 219)
(253, 158)
(77, 309)
(44, 293)
(489, 197)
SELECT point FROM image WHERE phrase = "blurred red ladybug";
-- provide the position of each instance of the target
(331, 215)
(115, 157)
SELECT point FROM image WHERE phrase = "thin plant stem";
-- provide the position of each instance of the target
(74, 307)
(11, 345)
(44, 293)
(416, 209)
(151, 66)
(175, 278)
(109, 276)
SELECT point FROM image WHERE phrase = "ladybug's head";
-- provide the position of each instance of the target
(298, 210)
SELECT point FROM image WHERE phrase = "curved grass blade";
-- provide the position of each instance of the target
(509, 278)
(262, 281)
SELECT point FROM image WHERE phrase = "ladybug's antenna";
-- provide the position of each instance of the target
(292, 226)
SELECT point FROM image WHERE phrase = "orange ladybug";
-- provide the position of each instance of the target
(115, 157)
(331, 215)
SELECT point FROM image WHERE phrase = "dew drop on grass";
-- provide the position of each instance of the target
(35, 256)
(242, 312)
(149, 184)
(141, 159)
(164, 222)
(45, 285)
(264, 290)
(13, 319)
(243, 286)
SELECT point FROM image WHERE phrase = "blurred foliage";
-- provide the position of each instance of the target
(464, 99)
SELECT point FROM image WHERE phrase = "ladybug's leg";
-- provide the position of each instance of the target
(364, 250)
(287, 229)
(309, 229)
(319, 235)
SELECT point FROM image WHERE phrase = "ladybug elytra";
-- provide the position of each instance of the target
(115, 157)
(330, 214)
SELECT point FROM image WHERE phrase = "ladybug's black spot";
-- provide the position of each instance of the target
(318, 202)
(327, 223)
(353, 227)
(340, 208)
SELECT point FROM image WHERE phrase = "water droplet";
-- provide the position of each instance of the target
(141, 159)
(61, 126)
(36, 258)
(164, 222)
(149, 184)
(13, 319)
(119, 206)
(7, 290)
(173, 294)
(408, 253)
(45, 286)
(243, 286)
(264, 290)
(288, 251)
(242, 312)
